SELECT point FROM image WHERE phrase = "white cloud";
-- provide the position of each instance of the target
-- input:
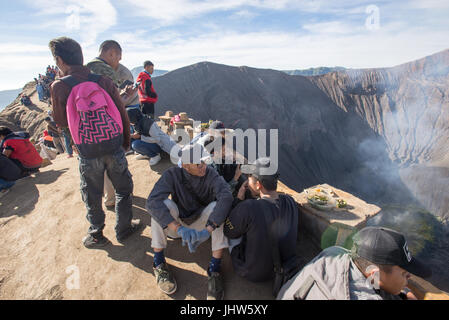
(331, 27)
(429, 4)
(8, 48)
(278, 50)
(169, 12)
(87, 18)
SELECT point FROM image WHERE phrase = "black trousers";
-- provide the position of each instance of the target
(147, 108)
(25, 170)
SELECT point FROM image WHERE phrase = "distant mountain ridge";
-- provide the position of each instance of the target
(8, 96)
(157, 73)
(313, 71)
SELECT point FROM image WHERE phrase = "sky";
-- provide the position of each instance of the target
(272, 34)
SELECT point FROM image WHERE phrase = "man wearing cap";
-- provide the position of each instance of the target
(205, 137)
(256, 224)
(200, 202)
(377, 268)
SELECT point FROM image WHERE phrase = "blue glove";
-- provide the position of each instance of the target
(192, 237)
(202, 236)
(188, 235)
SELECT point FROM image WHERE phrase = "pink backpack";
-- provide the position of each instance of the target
(94, 120)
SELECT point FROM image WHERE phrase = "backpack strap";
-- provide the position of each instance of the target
(94, 77)
(71, 81)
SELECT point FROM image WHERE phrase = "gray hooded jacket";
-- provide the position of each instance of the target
(330, 276)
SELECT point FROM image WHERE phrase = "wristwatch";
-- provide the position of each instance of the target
(211, 224)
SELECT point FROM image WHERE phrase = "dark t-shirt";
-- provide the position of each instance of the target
(252, 258)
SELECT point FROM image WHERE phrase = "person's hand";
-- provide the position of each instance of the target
(135, 136)
(187, 234)
(130, 90)
(202, 236)
(192, 237)
(242, 191)
(238, 173)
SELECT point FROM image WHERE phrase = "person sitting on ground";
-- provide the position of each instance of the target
(9, 173)
(150, 140)
(200, 202)
(255, 225)
(25, 100)
(48, 140)
(147, 95)
(216, 129)
(377, 268)
(225, 163)
(17, 147)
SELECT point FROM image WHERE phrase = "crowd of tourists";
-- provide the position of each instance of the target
(203, 197)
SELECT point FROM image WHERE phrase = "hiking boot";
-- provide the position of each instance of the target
(215, 289)
(155, 160)
(164, 279)
(97, 241)
(135, 226)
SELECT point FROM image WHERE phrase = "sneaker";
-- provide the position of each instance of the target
(127, 153)
(135, 226)
(155, 160)
(164, 279)
(215, 289)
(142, 157)
(92, 242)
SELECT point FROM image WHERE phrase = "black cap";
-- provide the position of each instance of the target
(134, 115)
(217, 125)
(261, 169)
(385, 246)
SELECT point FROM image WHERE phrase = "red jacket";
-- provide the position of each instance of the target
(144, 96)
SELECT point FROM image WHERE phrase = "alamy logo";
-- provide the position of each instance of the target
(407, 253)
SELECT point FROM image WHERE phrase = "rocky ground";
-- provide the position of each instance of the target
(42, 222)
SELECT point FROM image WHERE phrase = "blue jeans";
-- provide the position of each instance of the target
(148, 149)
(92, 183)
(68, 145)
(6, 184)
